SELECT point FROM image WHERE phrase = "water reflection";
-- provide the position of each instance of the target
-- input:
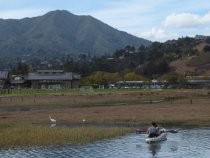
(53, 125)
(173, 146)
(154, 148)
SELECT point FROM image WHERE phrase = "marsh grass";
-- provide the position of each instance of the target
(30, 135)
(28, 98)
(76, 100)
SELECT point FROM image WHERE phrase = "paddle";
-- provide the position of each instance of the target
(172, 131)
(139, 131)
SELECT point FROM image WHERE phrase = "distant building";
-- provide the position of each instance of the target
(153, 84)
(129, 84)
(203, 83)
(42, 79)
(53, 79)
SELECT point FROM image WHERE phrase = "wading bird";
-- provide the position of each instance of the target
(83, 120)
(52, 120)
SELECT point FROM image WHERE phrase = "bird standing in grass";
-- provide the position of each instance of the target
(83, 120)
(52, 120)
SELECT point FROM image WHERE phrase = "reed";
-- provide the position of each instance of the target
(30, 135)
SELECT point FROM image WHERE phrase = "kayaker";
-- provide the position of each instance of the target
(153, 130)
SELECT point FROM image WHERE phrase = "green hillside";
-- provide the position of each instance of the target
(60, 33)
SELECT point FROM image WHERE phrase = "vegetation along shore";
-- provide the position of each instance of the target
(83, 117)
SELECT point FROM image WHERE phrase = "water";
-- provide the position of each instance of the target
(191, 143)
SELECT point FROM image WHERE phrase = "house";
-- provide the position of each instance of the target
(4, 79)
(129, 84)
(53, 79)
(202, 83)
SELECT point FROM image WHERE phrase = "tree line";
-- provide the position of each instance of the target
(128, 63)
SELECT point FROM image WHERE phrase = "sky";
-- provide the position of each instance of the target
(155, 20)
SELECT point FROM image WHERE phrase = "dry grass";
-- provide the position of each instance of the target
(84, 99)
(181, 66)
(27, 135)
(113, 108)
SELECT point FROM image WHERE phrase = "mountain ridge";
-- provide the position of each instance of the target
(61, 32)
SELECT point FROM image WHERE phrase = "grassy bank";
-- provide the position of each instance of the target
(28, 135)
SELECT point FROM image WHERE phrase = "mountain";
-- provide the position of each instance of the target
(59, 33)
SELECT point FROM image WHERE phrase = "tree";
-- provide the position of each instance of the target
(30, 68)
(21, 68)
(208, 40)
(206, 48)
(157, 67)
(132, 76)
(171, 78)
(102, 78)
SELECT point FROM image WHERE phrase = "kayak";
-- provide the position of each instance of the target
(161, 137)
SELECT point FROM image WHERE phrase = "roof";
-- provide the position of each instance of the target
(198, 81)
(49, 71)
(50, 76)
(4, 74)
(119, 82)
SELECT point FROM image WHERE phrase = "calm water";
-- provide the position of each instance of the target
(191, 143)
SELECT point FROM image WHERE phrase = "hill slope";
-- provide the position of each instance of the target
(60, 32)
(197, 62)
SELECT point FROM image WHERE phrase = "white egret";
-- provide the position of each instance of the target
(52, 120)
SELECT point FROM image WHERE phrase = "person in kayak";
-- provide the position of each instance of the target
(153, 130)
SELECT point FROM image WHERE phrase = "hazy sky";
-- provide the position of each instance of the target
(156, 20)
